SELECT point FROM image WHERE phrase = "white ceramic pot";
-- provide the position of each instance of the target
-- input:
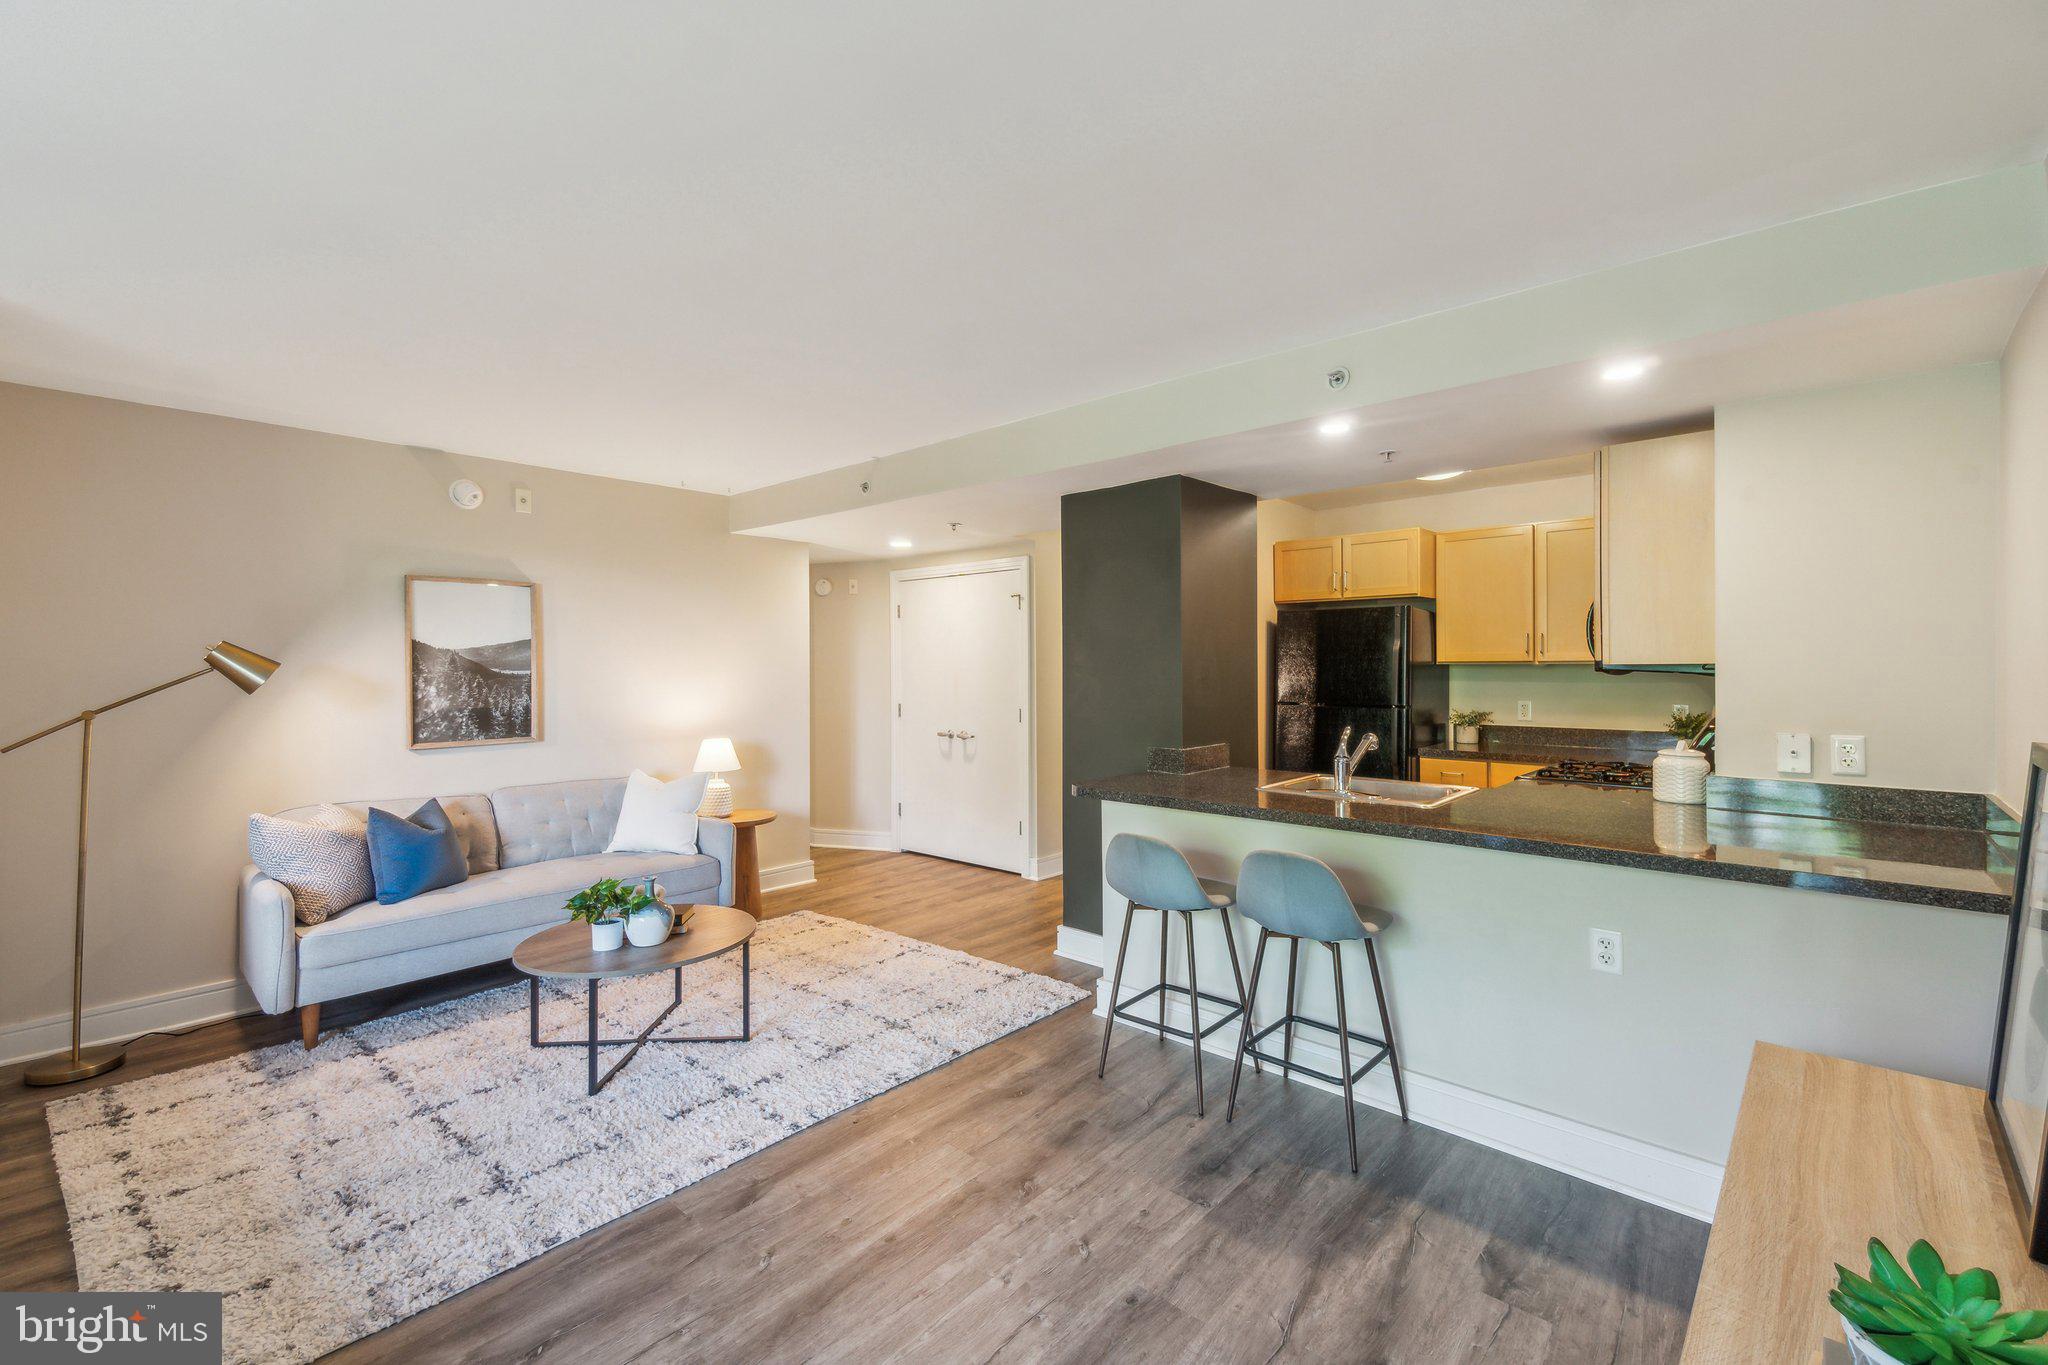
(1862, 1350)
(645, 928)
(1679, 829)
(1679, 775)
(607, 934)
(1464, 734)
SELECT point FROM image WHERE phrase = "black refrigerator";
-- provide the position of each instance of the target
(1373, 668)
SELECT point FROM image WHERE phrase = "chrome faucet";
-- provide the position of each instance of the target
(1347, 757)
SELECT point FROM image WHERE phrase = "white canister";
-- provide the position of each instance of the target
(1679, 829)
(1679, 775)
(607, 934)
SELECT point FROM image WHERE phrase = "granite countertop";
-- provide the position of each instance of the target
(1955, 866)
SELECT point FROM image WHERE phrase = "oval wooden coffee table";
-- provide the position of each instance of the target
(564, 953)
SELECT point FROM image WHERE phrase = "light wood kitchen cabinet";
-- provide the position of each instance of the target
(1390, 564)
(1308, 570)
(1372, 564)
(1460, 772)
(1566, 581)
(1657, 552)
(1470, 772)
(1485, 595)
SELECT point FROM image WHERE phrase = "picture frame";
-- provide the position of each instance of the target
(473, 662)
(2016, 1096)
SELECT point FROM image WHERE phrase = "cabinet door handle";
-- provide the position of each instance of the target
(1541, 645)
(1525, 644)
(1591, 648)
(1333, 580)
(1347, 580)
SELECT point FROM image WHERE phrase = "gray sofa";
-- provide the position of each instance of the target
(529, 849)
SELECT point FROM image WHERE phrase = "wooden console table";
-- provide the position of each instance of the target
(746, 859)
(1827, 1155)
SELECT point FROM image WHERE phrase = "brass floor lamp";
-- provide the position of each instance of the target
(244, 668)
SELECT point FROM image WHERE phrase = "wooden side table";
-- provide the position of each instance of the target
(746, 859)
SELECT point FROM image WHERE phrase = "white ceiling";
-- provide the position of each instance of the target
(730, 244)
(1543, 416)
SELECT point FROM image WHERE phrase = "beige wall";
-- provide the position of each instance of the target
(851, 724)
(133, 537)
(1456, 509)
(2021, 687)
(1854, 545)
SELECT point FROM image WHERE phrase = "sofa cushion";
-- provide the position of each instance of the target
(658, 816)
(411, 855)
(475, 823)
(549, 820)
(323, 859)
(526, 897)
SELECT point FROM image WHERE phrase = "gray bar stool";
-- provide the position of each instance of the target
(1151, 874)
(1295, 897)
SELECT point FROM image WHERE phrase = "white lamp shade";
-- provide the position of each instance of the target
(716, 756)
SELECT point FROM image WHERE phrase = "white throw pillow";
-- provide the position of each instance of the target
(657, 816)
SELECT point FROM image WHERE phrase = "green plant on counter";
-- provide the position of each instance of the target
(1695, 728)
(607, 899)
(1931, 1315)
(1471, 717)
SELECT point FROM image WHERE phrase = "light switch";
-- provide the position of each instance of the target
(1795, 753)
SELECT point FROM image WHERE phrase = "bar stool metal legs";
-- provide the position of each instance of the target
(1120, 1008)
(1249, 1039)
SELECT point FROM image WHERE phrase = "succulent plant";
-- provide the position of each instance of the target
(1931, 1315)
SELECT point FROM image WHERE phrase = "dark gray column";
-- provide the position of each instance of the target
(1159, 619)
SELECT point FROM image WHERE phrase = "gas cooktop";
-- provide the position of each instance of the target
(1616, 774)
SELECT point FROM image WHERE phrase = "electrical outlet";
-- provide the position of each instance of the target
(1607, 950)
(1846, 756)
(1795, 752)
(1525, 710)
(522, 499)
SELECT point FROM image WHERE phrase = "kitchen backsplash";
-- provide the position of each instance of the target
(1573, 694)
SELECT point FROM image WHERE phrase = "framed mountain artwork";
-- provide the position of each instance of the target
(472, 661)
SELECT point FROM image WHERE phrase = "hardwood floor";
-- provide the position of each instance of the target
(1011, 1207)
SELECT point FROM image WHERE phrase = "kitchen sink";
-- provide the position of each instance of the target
(1376, 790)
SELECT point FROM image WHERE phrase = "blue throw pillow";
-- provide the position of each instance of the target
(408, 856)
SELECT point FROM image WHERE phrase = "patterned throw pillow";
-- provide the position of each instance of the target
(323, 859)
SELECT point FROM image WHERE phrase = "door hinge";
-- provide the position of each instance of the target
(899, 808)
(1020, 826)
(899, 708)
(899, 613)
(1020, 713)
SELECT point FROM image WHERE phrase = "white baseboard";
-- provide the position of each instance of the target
(1042, 869)
(1078, 945)
(782, 878)
(1656, 1175)
(125, 1019)
(854, 838)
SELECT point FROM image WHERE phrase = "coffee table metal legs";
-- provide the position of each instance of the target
(591, 1042)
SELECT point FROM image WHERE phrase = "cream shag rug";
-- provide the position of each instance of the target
(332, 1193)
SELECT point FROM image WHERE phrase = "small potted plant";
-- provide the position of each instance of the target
(604, 905)
(1465, 725)
(1896, 1318)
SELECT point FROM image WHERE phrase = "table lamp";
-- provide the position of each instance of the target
(246, 669)
(715, 756)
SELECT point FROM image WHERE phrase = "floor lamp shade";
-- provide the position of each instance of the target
(246, 669)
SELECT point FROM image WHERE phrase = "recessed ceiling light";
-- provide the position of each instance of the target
(1622, 371)
(898, 543)
(1435, 478)
(1336, 426)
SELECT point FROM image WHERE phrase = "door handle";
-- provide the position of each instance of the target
(965, 735)
(947, 734)
(1591, 648)
(1347, 580)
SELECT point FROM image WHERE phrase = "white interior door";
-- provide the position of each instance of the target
(963, 691)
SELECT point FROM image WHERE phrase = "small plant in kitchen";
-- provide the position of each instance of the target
(1931, 1315)
(1465, 725)
(1695, 728)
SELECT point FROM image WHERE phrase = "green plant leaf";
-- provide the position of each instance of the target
(1927, 1266)
(1886, 1271)
(1903, 1348)
(1933, 1342)
(1866, 1316)
(1977, 1283)
(2012, 1354)
(1974, 1313)
(2026, 1324)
